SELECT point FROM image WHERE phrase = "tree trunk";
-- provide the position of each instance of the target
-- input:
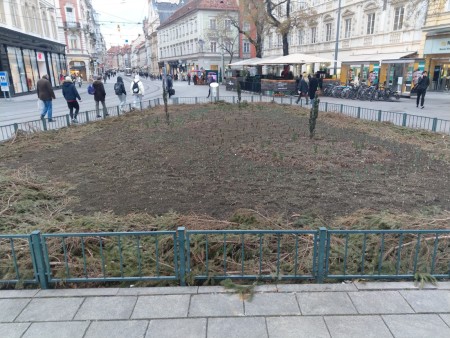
(285, 44)
(258, 46)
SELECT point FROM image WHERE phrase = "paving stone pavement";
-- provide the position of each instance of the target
(277, 311)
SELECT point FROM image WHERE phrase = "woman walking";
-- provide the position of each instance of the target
(119, 88)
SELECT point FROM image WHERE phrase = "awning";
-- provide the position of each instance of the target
(296, 59)
(382, 57)
(252, 62)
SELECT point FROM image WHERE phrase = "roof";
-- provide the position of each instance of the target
(165, 10)
(196, 5)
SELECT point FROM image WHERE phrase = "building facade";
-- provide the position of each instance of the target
(436, 44)
(29, 46)
(198, 36)
(383, 37)
(80, 32)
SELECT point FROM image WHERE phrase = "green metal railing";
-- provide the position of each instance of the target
(185, 256)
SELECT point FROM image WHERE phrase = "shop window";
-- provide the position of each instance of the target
(15, 19)
(370, 23)
(313, 34)
(17, 70)
(328, 30)
(348, 28)
(398, 18)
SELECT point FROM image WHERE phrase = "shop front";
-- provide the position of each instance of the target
(437, 60)
(27, 58)
(78, 68)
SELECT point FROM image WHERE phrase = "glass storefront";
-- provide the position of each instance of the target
(32, 74)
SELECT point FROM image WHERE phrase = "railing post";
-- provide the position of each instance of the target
(379, 116)
(118, 110)
(181, 250)
(68, 119)
(234, 99)
(321, 254)
(342, 108)
(358, 115)
(404, 119)
(326, 106)
(36, 243)
(434, 126)
(44, 124)
(87, 116)
(16, 128)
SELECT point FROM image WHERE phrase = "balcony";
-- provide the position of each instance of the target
(72, 25)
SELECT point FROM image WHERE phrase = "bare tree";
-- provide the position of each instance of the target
(225, 35)
(253, 13)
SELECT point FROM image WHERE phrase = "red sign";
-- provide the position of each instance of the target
(40, 56)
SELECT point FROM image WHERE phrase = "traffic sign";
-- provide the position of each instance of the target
(4, 83)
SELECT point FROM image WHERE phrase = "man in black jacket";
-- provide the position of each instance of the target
(313, 85)
(45, 94)
(71, 95)
(99, 96)
(422, 87)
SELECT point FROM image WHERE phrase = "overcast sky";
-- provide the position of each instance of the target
(126, 13)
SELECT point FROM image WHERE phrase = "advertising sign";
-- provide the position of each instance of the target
(4, 83)
(437, 46)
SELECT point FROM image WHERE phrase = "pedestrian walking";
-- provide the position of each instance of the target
(99, 96)
(71, 95)
(313, 85)
(45, 93)
(137, 89)
(169, 86)
(209, 81)
(104, 77)
(302, 89)
(121, 93)
(422, 87)
(189, 78)
(79, 80)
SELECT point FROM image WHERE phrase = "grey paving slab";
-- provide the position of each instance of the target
(443, 285)
(348, 287)
(272, 304)
(357, 326)
(247, 327)
(391, 286)
(446, 318)
(158, 291)
(13, 330)
(417, 326)
(50, 309)
(381, 302)
(78, 292)
(117, 329)
(428, 301)
(297, 327)
(214, 289)
(97, 308)
(57, 330)
(18, 293)
(172, 328)
(10, 308)
(214, 305)
(170, 306)
(325, 303)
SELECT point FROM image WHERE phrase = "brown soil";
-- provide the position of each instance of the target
(217, 159)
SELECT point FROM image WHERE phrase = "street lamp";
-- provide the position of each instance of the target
(336, 46)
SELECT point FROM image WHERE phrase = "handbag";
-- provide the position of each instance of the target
(414, 89)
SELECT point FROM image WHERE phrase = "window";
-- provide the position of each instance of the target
(328, 32)
(45, 23)
(245, 47)
(36, 23)
(213, 47)
(370, 23)
(398, 18)
(54, 32)
(70, 15)
(270, 41)
(279, 40)
(313, 34)
(26, 14)
(301, 34)
(2, 12)
(348, 28)
(212, 23)
(14, 14)
(228, 46)
(73, 42)
(246, 27)
(227, 24)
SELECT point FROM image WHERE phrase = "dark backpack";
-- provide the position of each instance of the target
(118, 88)
(91, 89)
(136, 87)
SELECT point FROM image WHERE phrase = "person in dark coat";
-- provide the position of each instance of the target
(313, 85)
(422, 87)
(71, 95)
(121, 93)
(45, 93)
(99, 96)
(302, 89)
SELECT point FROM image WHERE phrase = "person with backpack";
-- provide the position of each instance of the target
(119, 89)
(99, 96)
(71, 95)
(137, 89)
(169, 88)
